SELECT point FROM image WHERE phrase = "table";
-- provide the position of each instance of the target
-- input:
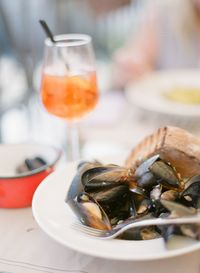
(25, 248)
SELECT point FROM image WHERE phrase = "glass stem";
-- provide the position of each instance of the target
(73, 147)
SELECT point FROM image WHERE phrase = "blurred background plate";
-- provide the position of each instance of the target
(168, 97)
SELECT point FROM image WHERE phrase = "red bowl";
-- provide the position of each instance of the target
(16, 190)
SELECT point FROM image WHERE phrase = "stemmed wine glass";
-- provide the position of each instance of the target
(69, 85)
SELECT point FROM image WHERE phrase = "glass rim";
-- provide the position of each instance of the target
(66, 40)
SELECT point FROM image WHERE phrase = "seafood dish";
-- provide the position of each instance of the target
(163, 166)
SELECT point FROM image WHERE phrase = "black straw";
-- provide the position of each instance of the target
(50, 35)
(47, 30)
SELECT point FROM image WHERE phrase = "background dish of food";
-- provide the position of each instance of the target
(17, 182)
(170, 96)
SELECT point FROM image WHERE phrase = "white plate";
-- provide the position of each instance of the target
(56, 219)
(147, 94)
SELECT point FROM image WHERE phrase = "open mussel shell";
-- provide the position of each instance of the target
(144, 207)
(149, 233)
(143, 233)
(191, 192)
(155, 171)
(188, 230)
(108, 185)
(91, 173)
(136, 234)
(90, 212)
(76, 185)
(159, 193)
(170, 195)
(119, 216)
(140, 201)
(114, 200)
(165, 174)
(107, 176)
(111, 196)
(144, 166)
(145, 179)
(137, 196)
(178, 210)
(138, 192)
(155, 193)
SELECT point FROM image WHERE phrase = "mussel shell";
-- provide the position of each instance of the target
(144, 166)
(155, 193)
(147, 180)
(119, 216)
(137, 195)
(76, 186)
(136, 234)
(149, 233)
(165, 173)
(112, 196)
(155, 171)
(90, 212)
(133, 234)
(178, 210)
(144, 207)
(170, 195)
(90, 173)
(97, 186)
(189, 230)
(113, 200)
(138, 192)
(157, 208)
(146, 233)
(104, 177)
(144, 178)
(192, 191)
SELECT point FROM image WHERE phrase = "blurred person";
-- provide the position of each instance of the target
(168, 38)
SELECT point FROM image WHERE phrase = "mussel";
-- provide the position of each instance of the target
(76, 184)
(91, 213)
(106, 196)
(191, 193)
(155, 171)
(179, 210)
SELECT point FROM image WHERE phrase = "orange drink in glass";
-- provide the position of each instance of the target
(69, 85)
(69, 97)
